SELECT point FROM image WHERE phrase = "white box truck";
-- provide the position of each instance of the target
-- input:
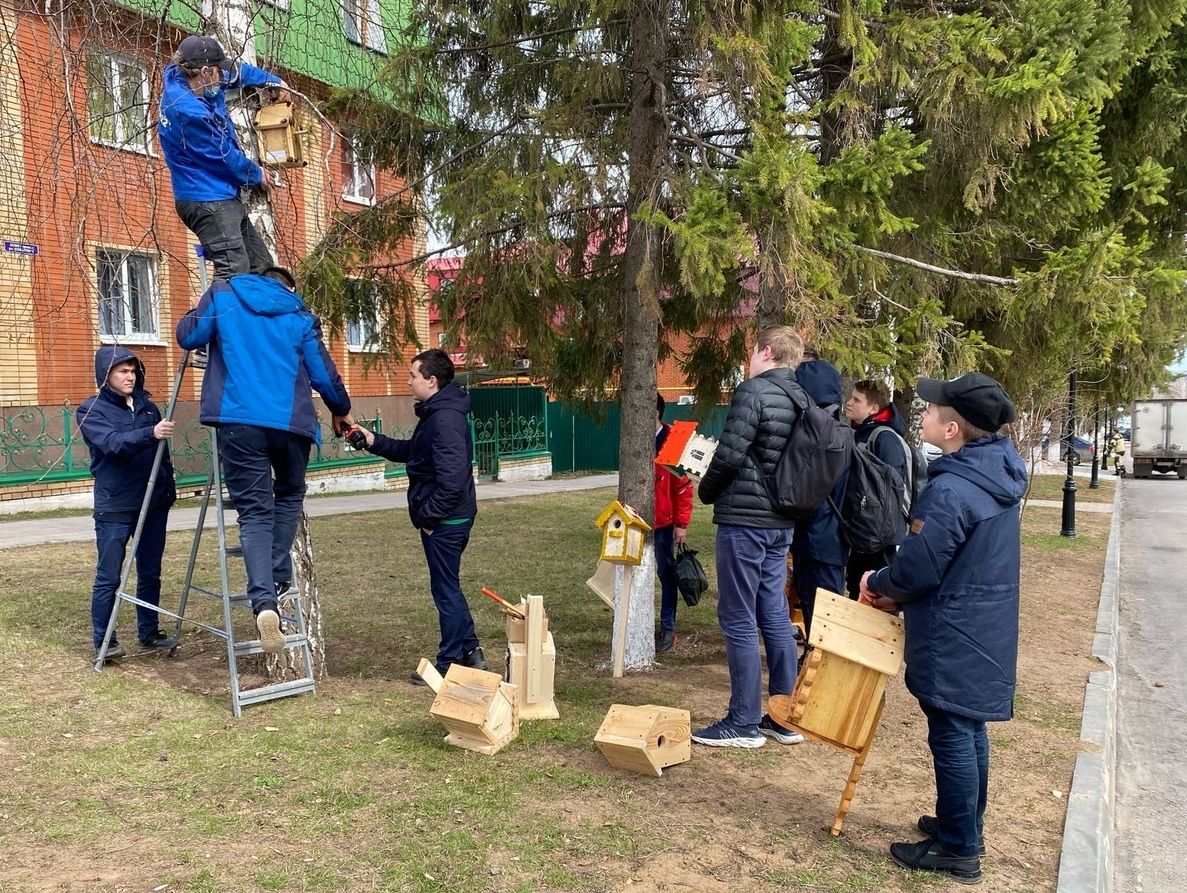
(1158, 438)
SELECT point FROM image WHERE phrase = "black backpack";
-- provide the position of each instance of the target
(813, 459)
(916, 467)
(872, 510)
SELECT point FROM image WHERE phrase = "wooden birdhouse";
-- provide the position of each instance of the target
(622, 534)
(686, 453)
(278, 136)
(645, 739)
(479, 709)
(531, 660)
(839, 695)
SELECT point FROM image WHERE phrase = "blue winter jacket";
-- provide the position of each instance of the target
(198, 138)
(438, 459)
(121, 440)
(266, 351)
(819, 537)
(957, 577)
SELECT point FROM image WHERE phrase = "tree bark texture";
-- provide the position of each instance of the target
(646, 145)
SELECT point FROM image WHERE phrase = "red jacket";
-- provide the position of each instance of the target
(673, 495)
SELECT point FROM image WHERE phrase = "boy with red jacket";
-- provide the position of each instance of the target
(673, 511)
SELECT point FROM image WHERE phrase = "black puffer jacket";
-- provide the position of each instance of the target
(760, 420)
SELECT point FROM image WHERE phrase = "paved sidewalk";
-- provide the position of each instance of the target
(81, 528)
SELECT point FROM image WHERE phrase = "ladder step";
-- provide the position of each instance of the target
(253, 646)
(238, 599)
(277, 690)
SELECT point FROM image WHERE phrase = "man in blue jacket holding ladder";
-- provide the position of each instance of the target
(209, 171)
(266, 352)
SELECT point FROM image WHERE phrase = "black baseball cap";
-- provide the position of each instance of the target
(200, 51)
(976, 396)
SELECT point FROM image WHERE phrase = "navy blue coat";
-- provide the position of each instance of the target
(438, 459)
(957, 577)
(819, 537)
(121, 440)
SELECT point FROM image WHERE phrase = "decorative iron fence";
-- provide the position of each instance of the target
(499, 436)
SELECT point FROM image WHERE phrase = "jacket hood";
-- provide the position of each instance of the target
(991, 463)
(821, 380)
(888, 416)
(108, 357)
(449, 397)
(264, 295)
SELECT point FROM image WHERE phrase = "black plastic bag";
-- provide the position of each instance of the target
(691, 579)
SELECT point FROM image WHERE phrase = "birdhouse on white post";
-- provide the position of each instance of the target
(623, 532)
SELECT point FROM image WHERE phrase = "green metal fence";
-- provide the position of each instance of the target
(507, 421)
(589, 442)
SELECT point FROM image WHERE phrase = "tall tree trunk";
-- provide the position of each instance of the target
(231, 20)
(640, 309)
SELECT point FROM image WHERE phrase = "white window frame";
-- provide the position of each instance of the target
(365, 338)
(114, 61)
(150, 265)
(351, 189)
(362, 23)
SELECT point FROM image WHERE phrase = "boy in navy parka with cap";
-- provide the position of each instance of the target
(121, 427)
(956, 578)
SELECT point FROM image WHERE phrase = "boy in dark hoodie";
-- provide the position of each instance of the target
(876, 424)
(266, 352)
(442, 501)
(956, 578)
(121, 427)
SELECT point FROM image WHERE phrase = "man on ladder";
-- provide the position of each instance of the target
(266, 351)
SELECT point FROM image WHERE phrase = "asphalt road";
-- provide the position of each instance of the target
(1151, 804)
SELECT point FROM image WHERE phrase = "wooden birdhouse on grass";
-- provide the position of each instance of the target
(479, 709)
(623, 532)
(645, 739)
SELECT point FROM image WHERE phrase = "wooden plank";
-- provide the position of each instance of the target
(602, 582)
(426, 671)
(534, 647)
(620, 619)
(863, 619)
(883, 657)
(841, 702)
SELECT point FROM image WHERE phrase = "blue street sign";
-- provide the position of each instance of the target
(26, 248)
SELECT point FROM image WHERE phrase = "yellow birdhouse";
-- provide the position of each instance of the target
(622, 534)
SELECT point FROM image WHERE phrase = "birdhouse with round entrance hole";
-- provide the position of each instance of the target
(623, 531)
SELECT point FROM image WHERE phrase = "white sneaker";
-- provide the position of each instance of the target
(271, 638)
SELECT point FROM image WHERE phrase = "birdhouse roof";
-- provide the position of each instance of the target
(628, 514)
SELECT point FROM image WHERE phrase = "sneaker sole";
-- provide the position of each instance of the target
(783, 739)
(748, 743)
(271, 638)
(967, 880)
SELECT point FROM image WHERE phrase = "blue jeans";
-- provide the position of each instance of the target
(269, 508)
(111, 541)
(960, 753)
(665, 569)
(228, 236)
(751, 575)
(808, 575)
(443, 551)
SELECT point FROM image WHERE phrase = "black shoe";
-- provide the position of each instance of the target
(782, 734)
(416, 680)
(282, 587)
(927, 824)
(114, 652)
(928, 855)
(475, 659)
(666, 640)
(156, 640)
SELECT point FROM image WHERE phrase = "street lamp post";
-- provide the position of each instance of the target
(1094, 483)
(1069, 484)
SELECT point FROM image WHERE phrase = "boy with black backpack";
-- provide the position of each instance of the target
(956, 578)
(878, 428)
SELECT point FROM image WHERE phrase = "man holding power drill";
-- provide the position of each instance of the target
(441, 498)
(266, 351)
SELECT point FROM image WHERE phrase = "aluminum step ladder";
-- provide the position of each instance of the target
(292, 617)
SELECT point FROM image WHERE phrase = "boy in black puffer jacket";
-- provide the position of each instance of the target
(956, 576)
(121, 427)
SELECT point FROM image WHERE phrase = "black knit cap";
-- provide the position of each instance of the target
(199, 52)
(980, 399)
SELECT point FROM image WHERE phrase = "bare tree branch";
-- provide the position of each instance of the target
(943, 271)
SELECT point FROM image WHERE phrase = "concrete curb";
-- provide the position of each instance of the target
(1086, 862)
